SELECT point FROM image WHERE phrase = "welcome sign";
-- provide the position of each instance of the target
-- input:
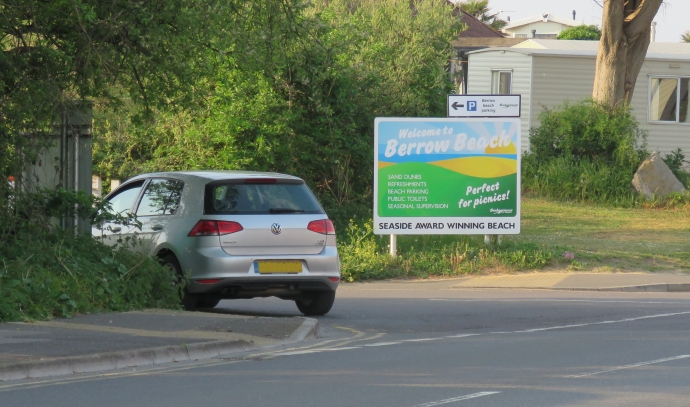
(447, 176)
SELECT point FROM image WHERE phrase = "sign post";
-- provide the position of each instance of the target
(446, 176)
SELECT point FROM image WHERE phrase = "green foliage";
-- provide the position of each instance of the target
(480, 10)
(56, 274)
(364, 256)
(39, 210)
(55, 52)
(62, 49)
(361, 256)
(581, 32)
(309, 108)
(583, 180)
(674, 200)
(280, 85)
(675, 161)
(589, 130)
(49, 272)
(685, 37)
(584, 152)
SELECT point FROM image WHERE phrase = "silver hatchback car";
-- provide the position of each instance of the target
(233, 234)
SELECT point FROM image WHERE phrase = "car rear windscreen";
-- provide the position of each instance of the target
(250, 197)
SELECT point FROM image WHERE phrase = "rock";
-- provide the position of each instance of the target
(654, 178)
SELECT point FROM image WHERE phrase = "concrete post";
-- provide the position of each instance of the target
(114, 184)
(97, 186)
(66, 162)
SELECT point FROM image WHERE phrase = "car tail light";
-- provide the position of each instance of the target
(334, 279)
(204, 228)
(208, 281)
(225, 228)
(324, 226)
(214, 228)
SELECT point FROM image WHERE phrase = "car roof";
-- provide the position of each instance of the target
(214, 175)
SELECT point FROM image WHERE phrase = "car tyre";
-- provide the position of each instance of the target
(187, 299)
(316, 304)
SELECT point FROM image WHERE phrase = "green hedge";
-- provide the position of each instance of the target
(584, 152)
(48, 272)
(58, 275)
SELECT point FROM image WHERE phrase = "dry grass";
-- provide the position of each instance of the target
(611, 239)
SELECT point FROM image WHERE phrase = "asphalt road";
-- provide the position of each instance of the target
(421, 344)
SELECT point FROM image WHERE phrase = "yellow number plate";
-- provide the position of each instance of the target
(272, 266)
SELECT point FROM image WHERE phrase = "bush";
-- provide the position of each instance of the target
(58, 274)
(50, 272)
(581, 32)
(675, 161)
(361, 254)
(364, 256)
(585, 180)
(584, 152)
(305, 107)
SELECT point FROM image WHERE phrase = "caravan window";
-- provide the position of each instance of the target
(501, 82)
(669, 100)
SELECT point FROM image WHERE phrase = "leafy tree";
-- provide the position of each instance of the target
(685, 37)
(56, 51)
(309, 107)
(480, 10)
(581, 32)
(626, 33)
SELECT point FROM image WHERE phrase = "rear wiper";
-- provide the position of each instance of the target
(285, 210)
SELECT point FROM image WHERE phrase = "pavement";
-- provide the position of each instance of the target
(91, 343)
(625, 282)
(98, 342)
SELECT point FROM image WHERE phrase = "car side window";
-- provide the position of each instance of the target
(124, 198)
(161, 197)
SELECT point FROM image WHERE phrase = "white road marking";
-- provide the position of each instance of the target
(557, 300)
(651, 362)
(467, 397)
(462, 335)
(297, 352)
(368, 338)
(560, 327)
(604, 322)
(382, 344)
(308, 351)
(421, 340)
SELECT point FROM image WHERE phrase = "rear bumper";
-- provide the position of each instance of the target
(237, 273)
(293, 287)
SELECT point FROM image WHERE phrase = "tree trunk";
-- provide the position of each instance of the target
(625, 36)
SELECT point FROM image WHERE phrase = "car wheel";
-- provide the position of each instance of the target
(207, 302)
(188, 300)
(316, 304)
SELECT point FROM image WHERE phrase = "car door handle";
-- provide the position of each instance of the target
(116, 229)
(157, 227)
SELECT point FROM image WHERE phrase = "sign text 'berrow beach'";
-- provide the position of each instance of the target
(447, 176)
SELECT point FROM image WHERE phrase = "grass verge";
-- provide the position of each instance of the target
(58, 275)
(611, 239)
(555, 235)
